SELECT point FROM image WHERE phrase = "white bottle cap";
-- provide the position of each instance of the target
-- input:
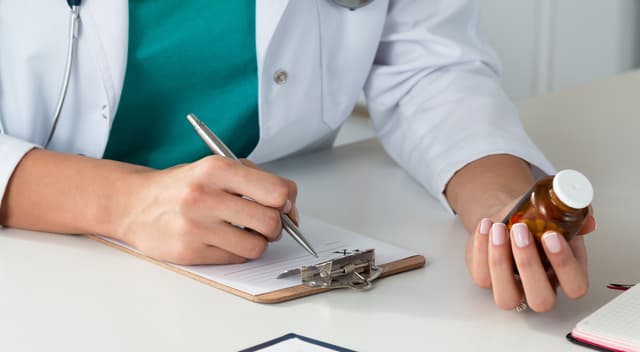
(573, 189)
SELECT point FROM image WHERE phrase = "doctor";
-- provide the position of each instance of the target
(272, 78)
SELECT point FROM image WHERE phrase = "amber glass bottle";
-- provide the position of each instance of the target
(555, 203)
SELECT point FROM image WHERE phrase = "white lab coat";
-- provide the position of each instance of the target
(432, 85)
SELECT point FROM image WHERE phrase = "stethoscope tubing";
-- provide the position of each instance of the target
(74, 18)
(74, 26)
(74, 32)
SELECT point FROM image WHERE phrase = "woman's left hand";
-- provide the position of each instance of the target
(490, 258)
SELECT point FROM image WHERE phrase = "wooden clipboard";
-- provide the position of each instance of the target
(392, 268)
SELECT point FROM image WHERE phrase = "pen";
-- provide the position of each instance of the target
(219, 148)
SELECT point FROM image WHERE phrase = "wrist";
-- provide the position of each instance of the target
(497, 202)
(126, 184)
(486, 186)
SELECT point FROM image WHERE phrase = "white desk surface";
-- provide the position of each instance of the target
(73, 294)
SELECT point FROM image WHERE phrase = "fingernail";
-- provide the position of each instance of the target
(287, 207)
(294, 214)
(520, 233)
(595, 223)
(498, 234)
(485, 226)
(552, 241)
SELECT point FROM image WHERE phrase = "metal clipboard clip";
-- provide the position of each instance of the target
(356, 271)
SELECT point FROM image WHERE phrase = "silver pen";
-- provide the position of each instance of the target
(219, 148)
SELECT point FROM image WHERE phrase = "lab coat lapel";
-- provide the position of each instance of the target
(110, 22)
(268, 15)
(107, 22)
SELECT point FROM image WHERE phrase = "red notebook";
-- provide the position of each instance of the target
(613, 327)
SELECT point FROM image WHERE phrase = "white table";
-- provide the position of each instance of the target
(73, 294)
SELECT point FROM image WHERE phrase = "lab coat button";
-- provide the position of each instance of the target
(280, 77)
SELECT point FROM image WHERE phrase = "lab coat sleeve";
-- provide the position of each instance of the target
(434, 94)
(11, 152)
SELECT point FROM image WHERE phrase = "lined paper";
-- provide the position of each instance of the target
(259, 276)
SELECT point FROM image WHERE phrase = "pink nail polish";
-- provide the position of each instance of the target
(485, 226)
(552, 242)
(520, 233)
(498, 234)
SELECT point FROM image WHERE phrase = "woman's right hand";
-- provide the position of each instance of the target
(199, 213)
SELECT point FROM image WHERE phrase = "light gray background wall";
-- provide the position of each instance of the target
(552, 44)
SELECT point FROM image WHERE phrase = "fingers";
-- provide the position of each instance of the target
(211, 210)
(234, 177)
(269, 192)
(216, 201)
(293, 194)
(478, 261)
(249, 163)
(185, 214)
(190, 243)
(579, 250)
(493, 258)
(568, 262)
(589, 225)
(224, 236)
(188, 249)
(204, 254)
(506, 291)
(541, 296)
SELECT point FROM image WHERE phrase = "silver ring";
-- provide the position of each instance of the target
(522, 306)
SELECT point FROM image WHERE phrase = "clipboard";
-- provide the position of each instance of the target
(403, 260)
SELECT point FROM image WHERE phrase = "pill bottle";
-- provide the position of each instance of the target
(557, 203)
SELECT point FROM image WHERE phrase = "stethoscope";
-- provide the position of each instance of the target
(74, 20)
(74, 23)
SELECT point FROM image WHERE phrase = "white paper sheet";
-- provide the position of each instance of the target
(259, 276)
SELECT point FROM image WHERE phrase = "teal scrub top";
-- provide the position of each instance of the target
(187, 56)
